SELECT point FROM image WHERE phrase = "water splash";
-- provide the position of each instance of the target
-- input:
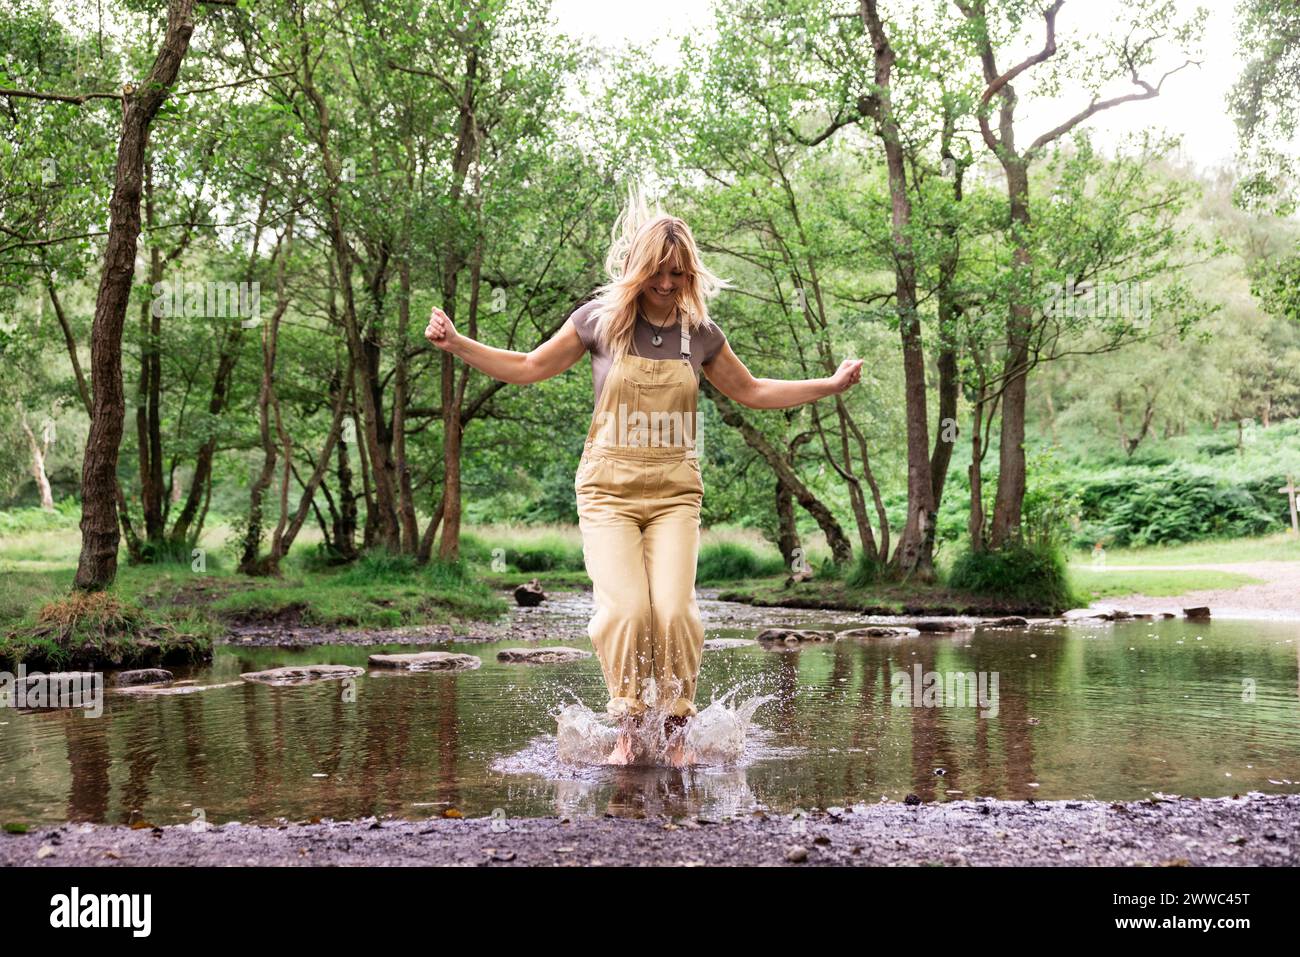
(714, 736)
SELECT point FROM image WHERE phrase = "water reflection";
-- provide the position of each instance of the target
(1113, 712)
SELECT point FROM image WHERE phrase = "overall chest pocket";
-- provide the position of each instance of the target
(660, 415)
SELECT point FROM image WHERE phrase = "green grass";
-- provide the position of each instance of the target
(725, 561)
(99, 629)
(1022, 573)
(1095, 584)
(38, 555)
(378, 591)
(1280, 547)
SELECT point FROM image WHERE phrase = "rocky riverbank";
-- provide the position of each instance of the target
(1254, 829)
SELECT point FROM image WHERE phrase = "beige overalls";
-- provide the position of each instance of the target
(639, 491)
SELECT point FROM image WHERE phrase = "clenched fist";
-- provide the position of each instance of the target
(847, 375)
(440, 331)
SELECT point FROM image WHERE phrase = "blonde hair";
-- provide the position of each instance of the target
(642, 241)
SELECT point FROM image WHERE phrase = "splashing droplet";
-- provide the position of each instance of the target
(714, 736)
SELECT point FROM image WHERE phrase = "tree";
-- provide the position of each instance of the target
(97, 565)
(1133, 54)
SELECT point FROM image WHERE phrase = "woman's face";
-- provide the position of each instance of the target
(663, 287)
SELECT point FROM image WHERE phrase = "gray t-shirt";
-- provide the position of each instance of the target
(706, 342)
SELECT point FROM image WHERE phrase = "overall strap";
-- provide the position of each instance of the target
(686, 340)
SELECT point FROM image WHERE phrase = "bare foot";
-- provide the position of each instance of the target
(675, 755)
(622, 753)
(675, 730)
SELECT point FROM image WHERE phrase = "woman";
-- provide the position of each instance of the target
(638, 484)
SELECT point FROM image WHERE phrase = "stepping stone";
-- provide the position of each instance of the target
(1200, 613)
(142, 676)
(150, 691)
(880, 631)
(554, 654)
(1089, 614)
(1010, 621)
(55, 689)
(939, 625)
(428, 661)
(793, 636)
(721, 644)
(301, 675)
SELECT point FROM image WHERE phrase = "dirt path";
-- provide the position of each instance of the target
(1277, 597)
(1250, 830)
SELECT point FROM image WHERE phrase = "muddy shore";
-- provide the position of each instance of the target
(1254, 829)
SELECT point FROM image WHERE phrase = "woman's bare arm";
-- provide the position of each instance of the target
(733, 380)
(552, 357)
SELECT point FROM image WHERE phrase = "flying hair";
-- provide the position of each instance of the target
(642, 241)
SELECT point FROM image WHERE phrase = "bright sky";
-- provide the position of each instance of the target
(1190, 104)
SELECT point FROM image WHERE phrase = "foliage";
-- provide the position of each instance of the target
(1030, 573)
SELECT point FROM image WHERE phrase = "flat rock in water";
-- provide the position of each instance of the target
(142, 676)
(1201, 613)
(148, 691)
(302, 674)
(554, 654)
(427, 661)
(794, 635)
(881, 631)
(1010, 621)
(56, 689)
(1089, 614)
(940, 625)
(721, 644)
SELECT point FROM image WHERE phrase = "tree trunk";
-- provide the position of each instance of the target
(97, 565)
(1009, 501)
(148, 427)
(915, 551)
(406, 500)
(975, 524)
(287, 530)
(133, 548)
(841, 547)
(39, 450)
(381, 512)
(787, 535)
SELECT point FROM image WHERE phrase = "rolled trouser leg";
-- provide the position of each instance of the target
(671, 542)
(620, 628)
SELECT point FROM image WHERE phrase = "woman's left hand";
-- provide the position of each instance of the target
(846, 376)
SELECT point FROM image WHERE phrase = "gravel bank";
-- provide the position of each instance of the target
(1251, 830)
(1276, 597)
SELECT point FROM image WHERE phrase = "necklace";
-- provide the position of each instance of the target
(656, 339)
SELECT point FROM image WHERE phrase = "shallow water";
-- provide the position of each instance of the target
(1112, 712)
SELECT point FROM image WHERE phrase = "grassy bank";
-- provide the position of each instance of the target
(174, 609)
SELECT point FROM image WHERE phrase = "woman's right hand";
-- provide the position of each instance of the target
(440, 331)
